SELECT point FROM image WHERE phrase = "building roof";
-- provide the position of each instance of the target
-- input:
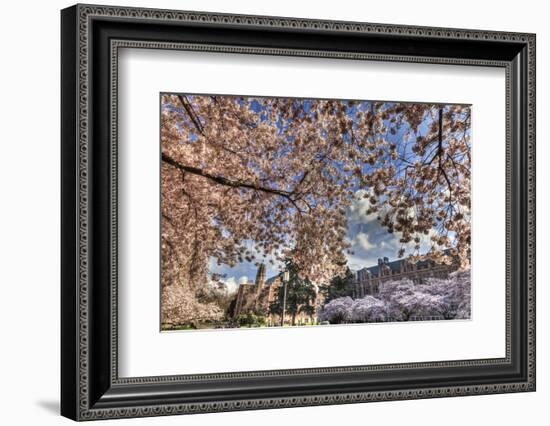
(271, 280)
(395, 265)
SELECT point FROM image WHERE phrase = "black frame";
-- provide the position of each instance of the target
(91, 37)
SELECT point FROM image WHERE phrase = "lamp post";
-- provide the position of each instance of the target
(285, 282)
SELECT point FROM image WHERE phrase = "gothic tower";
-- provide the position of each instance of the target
(260, 278)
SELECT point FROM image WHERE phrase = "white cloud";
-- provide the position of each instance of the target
(372, 237)
(362, 240)
(391, 244)
(357, 211)
(231, 284)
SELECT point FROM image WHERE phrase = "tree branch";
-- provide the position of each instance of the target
(440, 153)
(223, 180)
(191, 113)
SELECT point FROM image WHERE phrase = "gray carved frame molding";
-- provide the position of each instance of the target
(91, 39)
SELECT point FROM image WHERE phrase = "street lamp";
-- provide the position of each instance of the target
(286, 277)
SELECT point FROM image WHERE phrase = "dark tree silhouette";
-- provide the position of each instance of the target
(300, 295)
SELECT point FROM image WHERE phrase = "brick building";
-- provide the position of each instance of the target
(258, 296)
(369, 280)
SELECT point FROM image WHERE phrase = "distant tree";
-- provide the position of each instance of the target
(248, 319)
(406, 299)
(455, 291)
(300, 295)
(368, 309)
(337, 311)
(251, 319)
(180, 307)
(339, 286)
(400, 300)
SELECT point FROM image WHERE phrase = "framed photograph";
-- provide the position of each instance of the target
(263, 212)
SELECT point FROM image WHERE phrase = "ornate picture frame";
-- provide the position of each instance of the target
(91, 38)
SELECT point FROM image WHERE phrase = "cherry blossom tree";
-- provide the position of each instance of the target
(455, 291)
(179, 306)
(337, 311)
(402, 300)
(424, 190)
(368, 309)
(281, 172)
